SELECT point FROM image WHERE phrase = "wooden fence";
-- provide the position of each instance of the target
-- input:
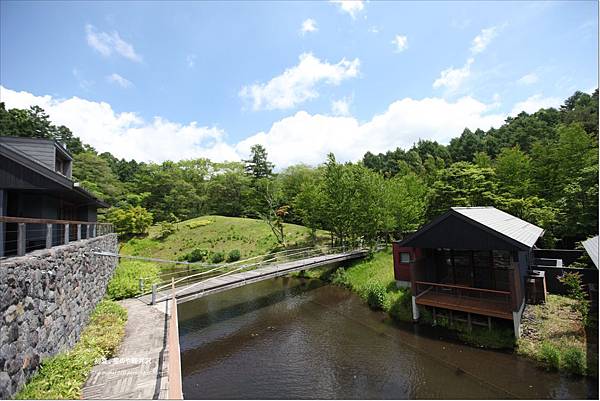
(20, 235)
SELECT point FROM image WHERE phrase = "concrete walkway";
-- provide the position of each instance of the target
(139, 371)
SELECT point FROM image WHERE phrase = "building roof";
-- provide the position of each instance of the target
(446, 231)
(503, 223)
(591, 247)
(22, 159)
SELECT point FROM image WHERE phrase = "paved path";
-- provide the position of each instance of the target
(218, 284)
(139, 371)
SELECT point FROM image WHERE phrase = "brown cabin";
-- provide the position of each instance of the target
(470, 261)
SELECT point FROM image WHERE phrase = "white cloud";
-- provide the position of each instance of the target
(115, 78)
(374, 29)
(401, 43)
(301, 137)
(452, 78)
(481, 41)
(83, 83)
(308, 25)
(299, 83)
(191, 60)
(528, 79)
(109, 43)
(534, 103)
(341, 107)
(126, 134)
(308, 138)
(352, 7)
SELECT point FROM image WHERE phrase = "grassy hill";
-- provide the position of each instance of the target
(213, 234)
(217, 234)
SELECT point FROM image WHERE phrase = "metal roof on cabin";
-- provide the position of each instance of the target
(591, 247)
(503, 223)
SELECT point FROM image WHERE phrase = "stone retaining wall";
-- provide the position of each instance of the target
(46, 298)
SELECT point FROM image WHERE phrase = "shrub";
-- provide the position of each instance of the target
(125, 283)
(376, 295)
(196, 255)
(401, 308)
(165, 229)
(217, 257)
(572, 282)
(233, 255)
(574, 360)
(129, 220)
(339, 277)
(550, 355)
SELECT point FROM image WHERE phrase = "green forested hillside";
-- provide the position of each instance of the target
(542, 167)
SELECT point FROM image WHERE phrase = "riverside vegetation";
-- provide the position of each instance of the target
(62, 376)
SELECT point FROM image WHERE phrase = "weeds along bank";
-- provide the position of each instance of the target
(554, 334)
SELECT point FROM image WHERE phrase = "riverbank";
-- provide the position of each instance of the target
(63, 376)
(554, 325)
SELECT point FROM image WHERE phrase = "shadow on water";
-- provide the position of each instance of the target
(291, 338)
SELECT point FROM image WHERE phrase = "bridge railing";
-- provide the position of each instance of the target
(224, 270)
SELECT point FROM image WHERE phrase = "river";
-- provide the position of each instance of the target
(292, 338)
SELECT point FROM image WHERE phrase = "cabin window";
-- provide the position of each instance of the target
(404, 257)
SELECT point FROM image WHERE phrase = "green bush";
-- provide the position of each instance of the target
(376, 296)
(165, 229)
(572, 282)
(197, 255)
(129, 220)
(401, 308)
(125, 283)
(63, 376)
(233, 255)
(217, 257)
(550, 355)
(339, 277)
(574, 360)
(496, 338)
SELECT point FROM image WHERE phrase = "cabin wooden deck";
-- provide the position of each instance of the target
(480, 306)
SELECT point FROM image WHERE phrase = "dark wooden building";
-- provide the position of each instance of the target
(36, 182)
(470, 261)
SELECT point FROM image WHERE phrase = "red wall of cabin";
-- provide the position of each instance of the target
(402, 270)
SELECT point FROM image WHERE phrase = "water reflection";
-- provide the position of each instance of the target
(290, 338)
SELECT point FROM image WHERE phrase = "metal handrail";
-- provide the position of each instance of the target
(226, 274)
(225, 265)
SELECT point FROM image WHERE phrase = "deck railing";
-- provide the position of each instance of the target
(20, 235)
(459, 291)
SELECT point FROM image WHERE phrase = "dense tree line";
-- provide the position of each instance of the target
(542, 167)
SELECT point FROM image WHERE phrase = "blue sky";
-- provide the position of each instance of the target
(211, 78)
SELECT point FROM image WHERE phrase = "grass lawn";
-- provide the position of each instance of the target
(212, 234)
(553, 334)
(62, 376)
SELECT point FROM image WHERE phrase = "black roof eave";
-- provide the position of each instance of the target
(38, 168)
(477, 224)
